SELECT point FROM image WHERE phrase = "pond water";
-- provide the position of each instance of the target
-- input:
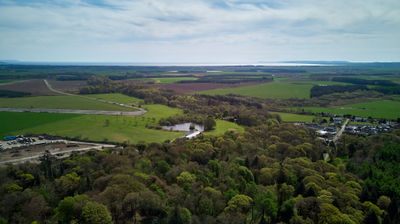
(183, 127)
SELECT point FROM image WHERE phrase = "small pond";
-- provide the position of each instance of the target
(183, 127)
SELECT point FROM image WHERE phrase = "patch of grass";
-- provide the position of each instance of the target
(93, 127)
(224, 126)
(362, 123)
(100, 127)
(173, 79)
(397, 97)
(289, 117)
(166, 80)
(276, 89)
(328, 83)
(115, 97)
(59, 102)
(158, 111)
(6, 80)
(16, 123)
(377, 109)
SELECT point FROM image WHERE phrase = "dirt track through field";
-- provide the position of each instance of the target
(138, 112)
(34, 86)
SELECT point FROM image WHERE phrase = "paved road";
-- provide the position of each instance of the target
(337, 136)
(140, 111)
(68, 111)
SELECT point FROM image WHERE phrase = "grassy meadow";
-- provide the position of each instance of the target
(172, 79)
(6, 80)
(289, 117)
(397, 97)
(377, 109)
(282, 90)
(16, 123)
(91, 127)
(59, 102)
(115, 97)
(166, 80)
(112, 128)
(224, 126)
(277, 89)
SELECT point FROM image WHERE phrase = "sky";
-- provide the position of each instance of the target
(199, 31)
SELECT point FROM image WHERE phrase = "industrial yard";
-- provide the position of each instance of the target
(20, 149)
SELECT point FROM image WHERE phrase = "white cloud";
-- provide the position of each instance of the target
(150, 30)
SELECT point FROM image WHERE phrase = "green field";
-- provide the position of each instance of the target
(16, 123)
(396, 97)
(99, 127)
(328, 83)
(376, 109)
(6, 80)
(173, 79)
(166, 80)
(288, 117)
(277, 89)
(115, 97)
(159, 111)
(59, 102)
(91, 127)
(224, 126)
(267, 90)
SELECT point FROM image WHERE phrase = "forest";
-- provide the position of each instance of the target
(271, 173)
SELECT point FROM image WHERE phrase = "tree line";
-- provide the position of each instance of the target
(271, 173)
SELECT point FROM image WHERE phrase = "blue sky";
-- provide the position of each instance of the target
(199, 31)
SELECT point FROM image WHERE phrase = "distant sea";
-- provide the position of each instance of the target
(178, 64)
(165, 64)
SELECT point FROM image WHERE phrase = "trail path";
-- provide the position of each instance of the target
(141, 110)
(337, 136)
(137, 110)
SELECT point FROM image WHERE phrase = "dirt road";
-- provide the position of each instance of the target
(137, 111)
(140, 111)
(337, 136)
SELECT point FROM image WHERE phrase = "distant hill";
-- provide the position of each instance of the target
(319, 62)
(9, 61)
